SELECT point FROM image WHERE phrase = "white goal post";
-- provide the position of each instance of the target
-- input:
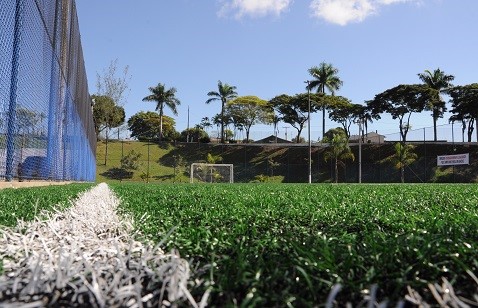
(211, 173)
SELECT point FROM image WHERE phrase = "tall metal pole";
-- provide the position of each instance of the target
(453, 143)
(12, 106)
(187, 135)
(360, 150)
(147, 171)
(308, 130)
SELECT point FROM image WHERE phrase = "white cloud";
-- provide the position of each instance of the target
(386, 2)
(254, 8)
(342, 12)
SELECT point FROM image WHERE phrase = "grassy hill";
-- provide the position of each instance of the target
(168, 162)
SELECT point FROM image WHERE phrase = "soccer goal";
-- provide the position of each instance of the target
(212, 173)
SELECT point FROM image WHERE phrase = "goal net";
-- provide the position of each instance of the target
(212, 173)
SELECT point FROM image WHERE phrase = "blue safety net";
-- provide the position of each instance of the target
(46, 122)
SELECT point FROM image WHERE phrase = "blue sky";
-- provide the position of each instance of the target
(265, 47)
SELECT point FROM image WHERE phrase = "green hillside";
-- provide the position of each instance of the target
(168, 162)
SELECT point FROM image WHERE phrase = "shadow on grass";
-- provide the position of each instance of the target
(117, 174)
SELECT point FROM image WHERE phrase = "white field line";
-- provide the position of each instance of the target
(86, 255)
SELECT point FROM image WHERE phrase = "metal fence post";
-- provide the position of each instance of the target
(11, 118)
(54, 81)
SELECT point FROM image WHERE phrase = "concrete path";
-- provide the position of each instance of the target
(17, 184)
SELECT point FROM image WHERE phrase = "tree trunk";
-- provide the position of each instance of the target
(402, 173)
(435, 117)
(161, 122)
(299, 131)
(471, 127)
(160, 127)
(222, 121)
(323, 122)
(106, 150)
(336, 170)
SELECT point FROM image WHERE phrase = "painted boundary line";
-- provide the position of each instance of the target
(87, 255)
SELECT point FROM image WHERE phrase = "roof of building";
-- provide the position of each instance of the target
(272, 139)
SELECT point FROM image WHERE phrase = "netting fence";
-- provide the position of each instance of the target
(374, 160)
(46, 123)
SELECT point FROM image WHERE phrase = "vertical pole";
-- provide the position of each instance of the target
(425, 151)
(187, 135)
(122, 149)
(308, 130)
(360, 151)
(52, 144)
(453, 144)
(402, 169)
(147, 171)
(11, 118)
(106, 144)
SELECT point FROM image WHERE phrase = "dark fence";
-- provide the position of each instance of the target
(288, 163)
(46, 123)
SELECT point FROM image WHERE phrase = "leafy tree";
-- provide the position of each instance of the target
(294, 109)
(440, 83)
(365, 116)
(464, 101)
(195, 134)
(224, 94)
(162, 97)
(272, 165)
(249, 110)
(106, 114)
(223, 119)
(179, 167)
(458, 117)
(326, 77)
(205, 123)
(213, 159)
(145, 126)
(401, 102)
(331, 132)
(26, 120)
(344, 112)
(338, 150)
(229, 134)
(275, 121)
(130, 161)
(403, 157)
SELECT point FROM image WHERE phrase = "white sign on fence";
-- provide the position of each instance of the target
(451, 160)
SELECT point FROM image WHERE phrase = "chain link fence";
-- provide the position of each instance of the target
(375, 161)
(46, 123)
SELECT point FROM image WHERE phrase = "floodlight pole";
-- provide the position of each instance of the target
(308, 130)
(187, 130)
(360, 150)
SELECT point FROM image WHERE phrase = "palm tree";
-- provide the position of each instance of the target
(275, 121)
(325, 78)
(224, 94)
(339, 151)
(439, 82)
(163, 97)
(402, 157)
(365, 116)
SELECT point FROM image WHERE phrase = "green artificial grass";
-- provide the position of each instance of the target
(279, 245)
(26, 203)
